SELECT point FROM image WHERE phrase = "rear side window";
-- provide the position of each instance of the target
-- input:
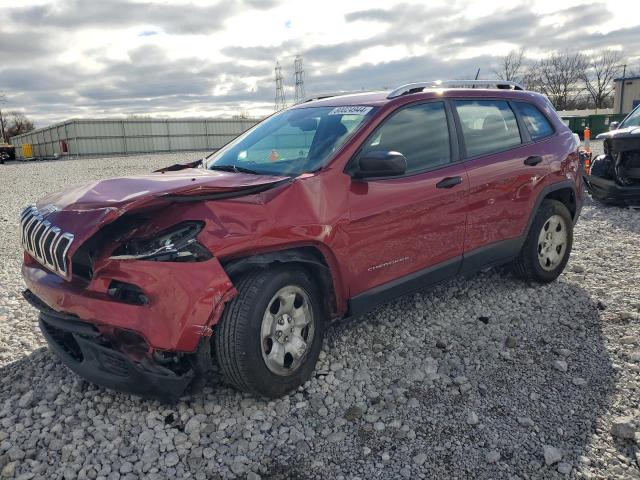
(488, 126)
(537, 124)
(419, 132)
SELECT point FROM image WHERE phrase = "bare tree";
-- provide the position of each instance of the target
(559, 77)
(512, 66)
(18, 124)
(599, 74)
(3, 132)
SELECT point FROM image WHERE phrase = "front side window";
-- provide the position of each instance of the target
(633, 120)
(536, 123)
(488, 126)
(419, 132)
(292, 142)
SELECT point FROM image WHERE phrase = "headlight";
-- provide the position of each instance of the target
(176, 244)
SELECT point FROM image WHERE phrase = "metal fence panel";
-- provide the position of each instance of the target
(126, 136)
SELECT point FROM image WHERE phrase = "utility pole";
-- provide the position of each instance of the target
(280, 102)
(3, 98)
(624, 72)
(299, 79)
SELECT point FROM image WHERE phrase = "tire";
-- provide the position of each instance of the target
(537, 260)
(247, 351)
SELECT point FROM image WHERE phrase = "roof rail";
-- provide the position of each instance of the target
(420, 86)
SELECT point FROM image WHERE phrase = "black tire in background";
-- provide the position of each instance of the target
(238, 338)
(528, 265)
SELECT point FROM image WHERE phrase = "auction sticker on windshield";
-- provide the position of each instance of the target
(350, 110)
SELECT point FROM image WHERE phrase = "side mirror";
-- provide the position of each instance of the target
(381, 164)
(614, 125)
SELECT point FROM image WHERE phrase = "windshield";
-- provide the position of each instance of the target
(291, 142)
(633, 120)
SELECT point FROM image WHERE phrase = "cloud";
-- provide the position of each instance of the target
(25, 43)
(172, 18)
(66, 58)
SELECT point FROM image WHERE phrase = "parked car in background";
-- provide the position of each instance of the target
(614, 177)
(321, 211)
(7, 152)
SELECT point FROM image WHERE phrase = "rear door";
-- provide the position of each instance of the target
(403, 225)
(506, 170)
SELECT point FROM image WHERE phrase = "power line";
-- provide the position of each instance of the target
(280, 102)
(299, 78)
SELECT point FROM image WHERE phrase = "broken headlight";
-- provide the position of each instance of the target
(175, 244)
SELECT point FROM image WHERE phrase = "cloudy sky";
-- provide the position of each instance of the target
(104, 58)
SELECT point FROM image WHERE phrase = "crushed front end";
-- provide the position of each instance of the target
(614, 177)
(130, 305)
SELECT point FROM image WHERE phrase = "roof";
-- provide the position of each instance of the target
(381, 98)
(619, 79)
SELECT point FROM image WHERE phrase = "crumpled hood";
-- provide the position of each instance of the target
(120, 192)
(85, 209)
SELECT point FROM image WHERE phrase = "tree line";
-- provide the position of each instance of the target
(571, 80)
(13, 123)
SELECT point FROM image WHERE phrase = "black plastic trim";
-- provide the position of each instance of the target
(236, 266)
(550, 189)
(608, 191)
(492, 255)
(411, 283)
(102, 365)
(112, 369)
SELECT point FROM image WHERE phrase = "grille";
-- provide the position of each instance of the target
(44, 241)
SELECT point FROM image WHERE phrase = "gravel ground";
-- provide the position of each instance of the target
(484, 378)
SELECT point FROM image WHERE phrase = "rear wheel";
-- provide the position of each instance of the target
(270, 334)
(548, 245)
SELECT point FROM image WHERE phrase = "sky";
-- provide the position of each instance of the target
(65, 59)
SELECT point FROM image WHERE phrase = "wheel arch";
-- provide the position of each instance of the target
(321, 265)
(564, 192)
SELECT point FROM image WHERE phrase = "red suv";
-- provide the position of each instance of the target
(319, 212)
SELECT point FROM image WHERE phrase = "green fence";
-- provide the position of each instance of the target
(596, 123)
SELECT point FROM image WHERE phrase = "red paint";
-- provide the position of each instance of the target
(368, 232)
(392, 234)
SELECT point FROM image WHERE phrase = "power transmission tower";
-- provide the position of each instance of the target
(299, 76)
(280, 103)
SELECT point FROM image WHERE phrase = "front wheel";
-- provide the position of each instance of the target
(546, 250)
(270, 335)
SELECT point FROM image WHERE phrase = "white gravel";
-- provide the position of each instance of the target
(485, 378)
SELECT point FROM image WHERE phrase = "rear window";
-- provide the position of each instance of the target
(488, 126)
(536, 123)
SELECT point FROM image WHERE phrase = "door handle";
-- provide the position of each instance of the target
(449, 182)
(533, 160)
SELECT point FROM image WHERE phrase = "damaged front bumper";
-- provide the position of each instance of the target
(608, 191)
(152, 348)
(96, 358)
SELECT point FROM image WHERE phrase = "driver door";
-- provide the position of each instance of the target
(407, 232)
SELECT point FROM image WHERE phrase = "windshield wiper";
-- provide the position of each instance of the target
(233, 168)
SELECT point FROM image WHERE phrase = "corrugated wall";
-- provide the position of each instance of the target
(121, 137)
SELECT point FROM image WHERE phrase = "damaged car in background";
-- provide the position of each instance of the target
(319, 212)
(614, 177)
